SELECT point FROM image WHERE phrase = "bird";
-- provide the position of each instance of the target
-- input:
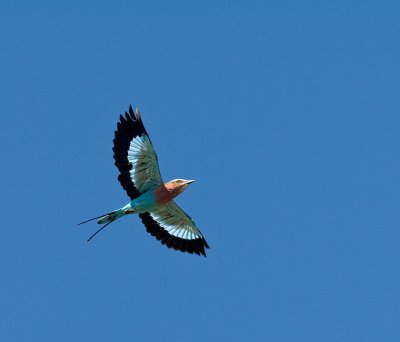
(150, 198)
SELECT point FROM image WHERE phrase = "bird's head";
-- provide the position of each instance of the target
(178, 185)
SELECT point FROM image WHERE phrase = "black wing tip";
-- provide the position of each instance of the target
(128, 127)
(196, 246)
(128, 116)
(131, 117)
(133, 114)
(190, 246)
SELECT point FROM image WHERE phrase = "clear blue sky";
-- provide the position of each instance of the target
(287, 114)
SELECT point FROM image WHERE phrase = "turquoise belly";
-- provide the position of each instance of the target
(144, 203)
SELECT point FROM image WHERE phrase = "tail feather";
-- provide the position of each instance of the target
(92, 219)
(98, 231)
(108, 218)
(105, 219)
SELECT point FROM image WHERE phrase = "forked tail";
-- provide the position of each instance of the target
(105, 219)
(110, 217)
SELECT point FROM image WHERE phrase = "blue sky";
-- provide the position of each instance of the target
(287, 115)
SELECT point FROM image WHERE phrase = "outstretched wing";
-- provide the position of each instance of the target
(174, 228)
(134, 155)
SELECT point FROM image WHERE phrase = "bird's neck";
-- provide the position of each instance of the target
(165, 193)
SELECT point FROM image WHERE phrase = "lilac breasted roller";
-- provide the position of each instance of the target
(151, 198)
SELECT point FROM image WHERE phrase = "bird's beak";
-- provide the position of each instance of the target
(190, 181)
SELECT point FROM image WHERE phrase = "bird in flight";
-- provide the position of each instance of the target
(151, 198)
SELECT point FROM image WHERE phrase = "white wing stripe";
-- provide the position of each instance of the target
(144, 163)
(176, 222)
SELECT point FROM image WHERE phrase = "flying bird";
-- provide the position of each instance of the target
(151, 198)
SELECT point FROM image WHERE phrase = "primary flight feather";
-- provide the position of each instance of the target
(151, 198)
